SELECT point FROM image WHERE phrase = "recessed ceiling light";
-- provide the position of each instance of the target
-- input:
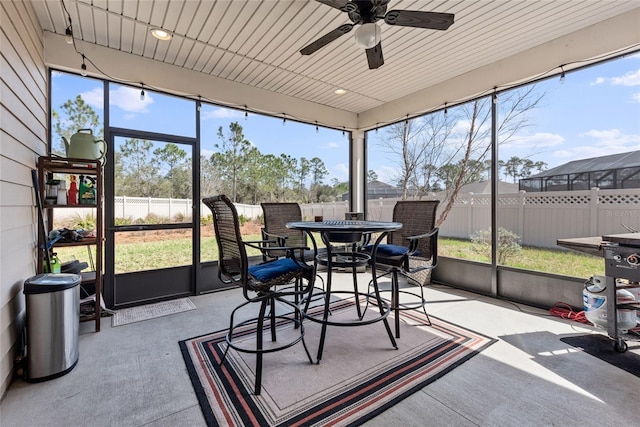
(340, 91)
(161, 34)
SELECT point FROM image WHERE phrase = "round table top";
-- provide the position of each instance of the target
(347, 226)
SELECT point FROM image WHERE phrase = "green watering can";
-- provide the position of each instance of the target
(84, 146)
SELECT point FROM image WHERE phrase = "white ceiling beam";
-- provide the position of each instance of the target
(176, 80)
(615, 34)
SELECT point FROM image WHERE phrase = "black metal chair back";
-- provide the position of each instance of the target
(232, 255)
(418, 217)
(276, 216)
(411, 252)
(260, 284)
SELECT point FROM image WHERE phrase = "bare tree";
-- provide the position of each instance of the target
(452, 148)
(416, 145)
(513, 108)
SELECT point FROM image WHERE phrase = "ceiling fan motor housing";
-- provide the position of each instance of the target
(365, 11)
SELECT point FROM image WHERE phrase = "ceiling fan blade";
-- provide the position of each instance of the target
(419, 19)
(374, 56)
(338, 4)
(326, 39)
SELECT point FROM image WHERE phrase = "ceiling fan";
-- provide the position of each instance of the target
(365, 13)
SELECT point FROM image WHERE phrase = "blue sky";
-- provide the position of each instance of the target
(596, 111)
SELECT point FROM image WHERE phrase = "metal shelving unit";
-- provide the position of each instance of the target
(47, 166)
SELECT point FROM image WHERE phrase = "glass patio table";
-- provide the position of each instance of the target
(347, 232)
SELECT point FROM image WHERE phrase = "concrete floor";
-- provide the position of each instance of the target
(134, 375)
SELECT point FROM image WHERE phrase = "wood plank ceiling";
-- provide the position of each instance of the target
(257, 42)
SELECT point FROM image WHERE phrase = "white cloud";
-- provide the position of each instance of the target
(607, 142)
(94, 98)
(613, 137)
(636, 97)
(333, 145)
(631, 78)
(221, 113)
(128, 99)
(341, 172)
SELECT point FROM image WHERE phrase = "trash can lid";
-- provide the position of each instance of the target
(50, 282)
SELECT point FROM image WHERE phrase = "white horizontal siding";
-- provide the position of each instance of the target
(23, 131)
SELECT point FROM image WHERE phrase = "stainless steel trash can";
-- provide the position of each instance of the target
(53, 322)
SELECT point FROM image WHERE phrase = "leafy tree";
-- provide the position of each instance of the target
(516, 167)
(175, 158)
(286, 170)
(339, 188)
(140, 174)
(324, 193)
(233, 149)
(372, 175)
(511, 167)
(271, 181)
(450, 172)
(318, 173)
(255, 173)
(181, 186)
(74, 115)
(304, 168)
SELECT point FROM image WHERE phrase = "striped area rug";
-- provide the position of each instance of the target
(359, 376)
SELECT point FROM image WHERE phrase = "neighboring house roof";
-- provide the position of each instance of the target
(484, 187)
(377, 189)
(382, 189)
(613, 161)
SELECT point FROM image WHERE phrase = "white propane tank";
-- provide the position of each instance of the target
(595, 304)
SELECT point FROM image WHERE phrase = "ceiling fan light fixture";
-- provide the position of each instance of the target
(161, 34)
(367, 35)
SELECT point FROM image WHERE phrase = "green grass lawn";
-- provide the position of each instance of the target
(139, 256)
(566, 263)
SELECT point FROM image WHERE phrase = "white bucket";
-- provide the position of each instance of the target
(595, 304)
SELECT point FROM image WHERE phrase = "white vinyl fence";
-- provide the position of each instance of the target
(136, 208)
(538, 218)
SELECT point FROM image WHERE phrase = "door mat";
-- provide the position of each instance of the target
(601, 346)
(151, 311)
(360, 374)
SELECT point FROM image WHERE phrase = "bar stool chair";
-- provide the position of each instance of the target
(411, 252)
(260, 284)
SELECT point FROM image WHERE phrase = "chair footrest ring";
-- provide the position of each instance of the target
(266, 329)
(355, 322)
(345, 259)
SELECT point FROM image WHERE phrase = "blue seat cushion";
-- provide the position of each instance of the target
(390, 250)
(270, 270)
